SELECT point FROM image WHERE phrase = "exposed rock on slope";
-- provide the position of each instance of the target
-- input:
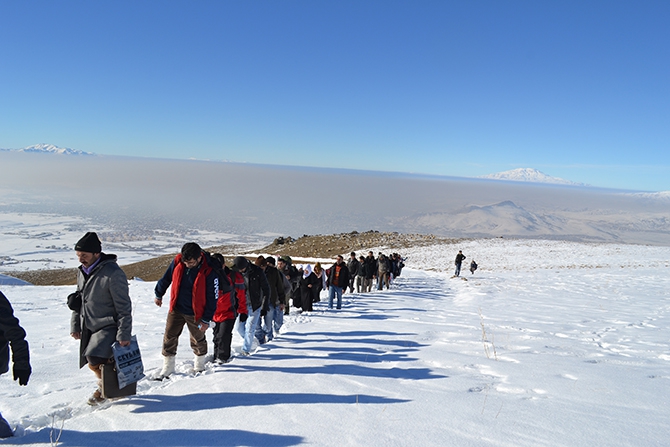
(329, 246)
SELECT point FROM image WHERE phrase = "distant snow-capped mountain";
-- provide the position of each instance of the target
(661, 195)
(529, 175)
(52, 149)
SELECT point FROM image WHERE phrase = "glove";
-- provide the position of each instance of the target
(21, 374)
(243, 318)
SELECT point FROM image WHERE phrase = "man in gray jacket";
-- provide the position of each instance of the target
(104, 314)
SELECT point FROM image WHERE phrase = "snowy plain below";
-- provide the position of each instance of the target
(32, 241)
(549, 343)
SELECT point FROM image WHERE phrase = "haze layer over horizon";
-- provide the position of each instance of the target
(247, 198)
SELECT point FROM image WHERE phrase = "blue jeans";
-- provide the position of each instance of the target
(264, 328)
(458, 270)
(247, 329)
(332, 291)
(278, 319)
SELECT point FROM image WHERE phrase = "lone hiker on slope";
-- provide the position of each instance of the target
(460, 257)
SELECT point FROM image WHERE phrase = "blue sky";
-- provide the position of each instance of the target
(576, 89)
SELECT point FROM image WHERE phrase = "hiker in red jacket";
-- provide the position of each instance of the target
(230, 303)
(194, 291)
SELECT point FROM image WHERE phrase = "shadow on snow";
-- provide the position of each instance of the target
(349, 370)
(167, 438)
(202, 401)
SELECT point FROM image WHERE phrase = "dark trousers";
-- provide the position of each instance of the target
(306, 298)
(173, 328)
(223, 335)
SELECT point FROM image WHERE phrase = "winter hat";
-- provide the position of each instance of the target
(240, 262)
(270, 260)
(261, 262)
(89, 243)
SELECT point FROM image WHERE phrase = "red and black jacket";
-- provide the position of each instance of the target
(233, 302)
(194, 291)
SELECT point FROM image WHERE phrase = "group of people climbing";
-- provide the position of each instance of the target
(205, 292)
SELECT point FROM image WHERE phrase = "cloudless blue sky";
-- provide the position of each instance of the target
(576, 89)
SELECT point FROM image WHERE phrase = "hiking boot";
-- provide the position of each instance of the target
(168, 367)
(199, 363)
(96, 398)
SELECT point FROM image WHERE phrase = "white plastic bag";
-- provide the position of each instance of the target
(128, 360)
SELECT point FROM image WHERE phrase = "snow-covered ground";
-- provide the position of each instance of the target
(547, 344)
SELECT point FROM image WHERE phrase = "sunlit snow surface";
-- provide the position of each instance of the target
(547, 344)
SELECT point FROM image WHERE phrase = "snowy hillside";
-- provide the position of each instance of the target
(505, 218)
(529, 175)
(548, 343)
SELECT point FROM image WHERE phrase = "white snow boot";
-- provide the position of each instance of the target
(168, 367)
(199, 363)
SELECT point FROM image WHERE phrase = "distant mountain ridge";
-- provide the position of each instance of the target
(529, 175)
(660, 195)
(50, 149)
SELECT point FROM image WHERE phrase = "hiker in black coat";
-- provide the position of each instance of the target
(460, 257)
(12, 334)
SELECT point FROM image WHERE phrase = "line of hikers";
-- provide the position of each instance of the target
(259, 293)
(206, 293)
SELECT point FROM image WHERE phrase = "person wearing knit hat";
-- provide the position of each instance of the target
(240, 262)
(103, 288)
(90, 243)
